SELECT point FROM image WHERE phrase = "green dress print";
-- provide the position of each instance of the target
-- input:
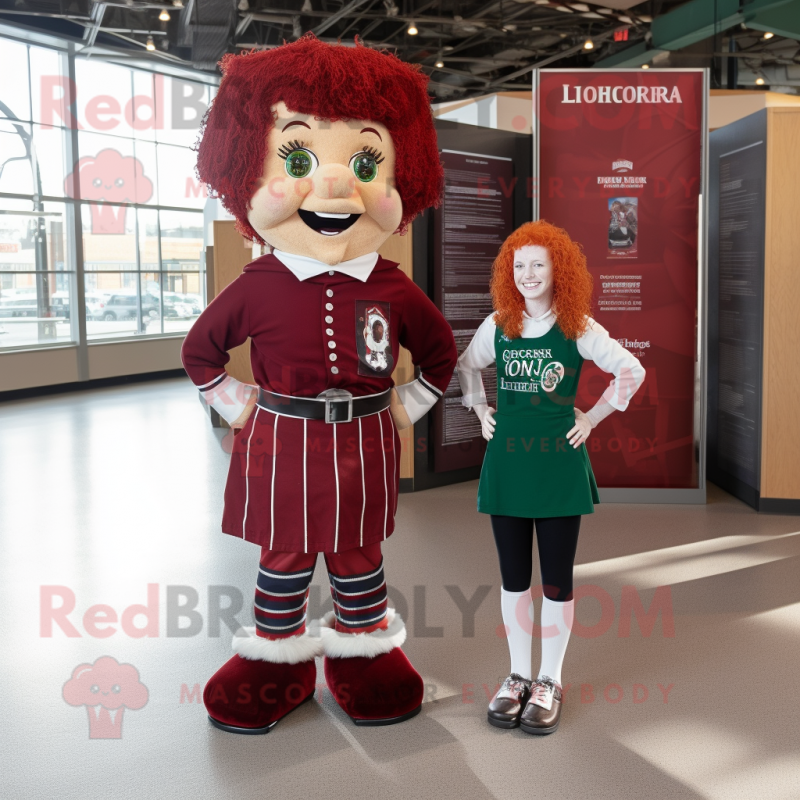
(530, 469)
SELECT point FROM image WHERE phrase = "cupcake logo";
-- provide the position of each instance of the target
(106, 688)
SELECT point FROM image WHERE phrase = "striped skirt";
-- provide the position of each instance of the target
(306, 486)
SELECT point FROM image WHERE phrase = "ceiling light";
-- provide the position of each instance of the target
(412, 30)
(243, 5)
(588, 45)
(164, 15)
(580, 7)
(759, 81)
(439, 63)
(645, 66)
(150, 43)
(447, 48)
(565, 9)
(307, 7)
(768, 35)
(177, 3)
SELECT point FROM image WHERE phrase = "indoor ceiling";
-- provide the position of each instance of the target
(468, 47)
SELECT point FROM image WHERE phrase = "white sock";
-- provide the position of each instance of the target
(518, 618)
(556, 628)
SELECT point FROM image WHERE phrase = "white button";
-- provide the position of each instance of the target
(335, 370)
(329, 331)
(332, 356)
(329, 319)
(329, 292)
(331, 272)
(332, 345)
(329, 306)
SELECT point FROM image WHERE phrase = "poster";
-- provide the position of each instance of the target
(476, 216)
(620, 157)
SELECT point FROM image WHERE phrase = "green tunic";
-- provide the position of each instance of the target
(530, 469)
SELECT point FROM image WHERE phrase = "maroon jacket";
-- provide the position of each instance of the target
(298, 485)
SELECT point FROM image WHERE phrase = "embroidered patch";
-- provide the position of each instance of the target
(373, 338)
(552, 375)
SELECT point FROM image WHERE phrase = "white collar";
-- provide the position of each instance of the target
(304, 267)
(540, 318)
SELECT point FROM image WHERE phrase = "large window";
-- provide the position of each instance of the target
(107, 199)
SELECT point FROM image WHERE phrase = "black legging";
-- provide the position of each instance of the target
(557, 541)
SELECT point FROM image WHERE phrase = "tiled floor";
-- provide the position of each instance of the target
(114, 496)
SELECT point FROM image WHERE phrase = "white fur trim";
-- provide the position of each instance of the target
(366, 645)
(291, 650)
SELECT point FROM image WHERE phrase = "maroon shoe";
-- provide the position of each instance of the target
(369, 675)
(267, 679)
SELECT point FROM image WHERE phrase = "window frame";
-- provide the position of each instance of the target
(75, 207)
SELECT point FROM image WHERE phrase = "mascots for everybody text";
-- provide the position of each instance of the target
(322, 152)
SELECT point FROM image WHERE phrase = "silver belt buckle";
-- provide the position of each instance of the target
(334, 398)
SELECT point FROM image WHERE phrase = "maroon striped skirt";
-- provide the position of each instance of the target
(306, 486)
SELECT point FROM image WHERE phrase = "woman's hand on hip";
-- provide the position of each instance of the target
(579, 433)
(486, 416)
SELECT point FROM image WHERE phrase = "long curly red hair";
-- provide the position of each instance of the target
(332, 82)
(572, 283)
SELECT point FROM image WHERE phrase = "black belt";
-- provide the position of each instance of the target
(333, 405)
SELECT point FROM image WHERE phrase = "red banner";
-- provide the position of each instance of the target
(620, 168)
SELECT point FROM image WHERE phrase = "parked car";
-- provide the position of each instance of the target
(121, 305)
(59, 305)
(15, 306)
(177, 305)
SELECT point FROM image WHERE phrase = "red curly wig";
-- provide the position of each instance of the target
(332, 82)
(572, 283)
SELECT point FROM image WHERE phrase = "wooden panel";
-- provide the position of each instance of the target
(228, 257)
(780, 442)
(398, 248)
(232, 252)
(211, 291)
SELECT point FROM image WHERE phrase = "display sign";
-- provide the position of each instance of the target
(476, 217)
(620, 167)
(740, 298)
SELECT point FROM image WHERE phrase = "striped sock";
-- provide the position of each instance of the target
(281, 601)
(359, 601)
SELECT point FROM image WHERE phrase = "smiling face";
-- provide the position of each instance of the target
(533, 273)
(327, 188)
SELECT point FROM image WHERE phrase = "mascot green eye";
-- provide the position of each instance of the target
(364, 166)
(300, 163)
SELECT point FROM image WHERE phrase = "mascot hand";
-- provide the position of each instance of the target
(486, 416)
(241, 420)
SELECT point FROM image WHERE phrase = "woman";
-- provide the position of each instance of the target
(536, 471)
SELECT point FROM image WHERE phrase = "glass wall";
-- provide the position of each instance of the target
(107, 198)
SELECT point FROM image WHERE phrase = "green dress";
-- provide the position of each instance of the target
(530, 469)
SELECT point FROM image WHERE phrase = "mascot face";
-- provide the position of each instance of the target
(327, 188)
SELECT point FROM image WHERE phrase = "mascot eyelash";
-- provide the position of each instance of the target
(285, 150)
(376, 154)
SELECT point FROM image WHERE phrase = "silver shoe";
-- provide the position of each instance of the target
(508, 702)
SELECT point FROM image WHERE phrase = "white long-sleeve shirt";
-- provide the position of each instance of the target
(594, 345)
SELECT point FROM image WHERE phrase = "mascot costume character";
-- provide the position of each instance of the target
(321, 152)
